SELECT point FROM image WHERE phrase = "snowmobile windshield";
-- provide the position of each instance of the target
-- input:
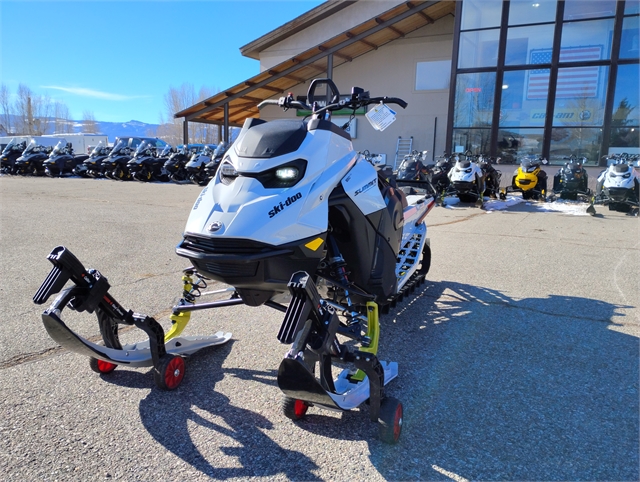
(408, 169)
(97, 150)
(621, 168)
(32, 148)
(166, 151)
(143, 147)
(220, 150)
(58, 149)
(13, 145)
(120, 145)
(529, 165)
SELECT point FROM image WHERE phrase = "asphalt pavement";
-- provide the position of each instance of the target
(518, 359)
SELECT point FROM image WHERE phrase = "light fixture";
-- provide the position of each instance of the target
(505, 86)
(535, 5)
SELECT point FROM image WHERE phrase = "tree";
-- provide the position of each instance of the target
(62, 121)
(5, 105)
(89, 125)
(33, 112)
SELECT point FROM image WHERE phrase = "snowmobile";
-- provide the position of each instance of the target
(529, 179)
(413, 167)
(294, 220)
(147, 164)
(92, 167)
(196, 167)
(572, 181)
(175, 165)
(468, 180)
(115, 166)
(618, 186)
(211, 167)
(439, 175)
(62, 161)
(31, 160)
(10, 153)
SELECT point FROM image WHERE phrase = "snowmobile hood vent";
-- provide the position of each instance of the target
(270, 139)
(620, 168)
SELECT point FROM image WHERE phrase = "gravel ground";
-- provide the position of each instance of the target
(518, 359)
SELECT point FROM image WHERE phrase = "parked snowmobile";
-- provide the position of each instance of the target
(175, 165)
(212, 166)
(92, 167)
(572, 181)
(618, 186)
(147, 165)
(468, 180)
(196, 167)
(293, 210)
(439, 175)
(62, 161)
(492, 176)
(413, 175)
(529, 179)
(115, 166)
(10, 153)
(30, 162)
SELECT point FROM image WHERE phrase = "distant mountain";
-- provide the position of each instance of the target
(132, 128)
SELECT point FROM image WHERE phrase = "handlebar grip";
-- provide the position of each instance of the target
(267, 102)
(395, 100)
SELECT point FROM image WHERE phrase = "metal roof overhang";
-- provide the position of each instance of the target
(241, 101)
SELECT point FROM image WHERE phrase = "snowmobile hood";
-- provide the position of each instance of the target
(241, 202)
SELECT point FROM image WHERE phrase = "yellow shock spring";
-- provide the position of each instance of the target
(373, 333)
(180, 319)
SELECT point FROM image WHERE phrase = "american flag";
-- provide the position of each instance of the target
(572, 82)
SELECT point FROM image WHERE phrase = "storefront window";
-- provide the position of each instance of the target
(529, 45)
(477, 141)
(625, 120)
(528, 11)
(481, 13)
(580, 96)
(629, 42)
(478, 49)
(576, 141)
(524, 102)
(631, 6)
(579, 9)
(584, 41)
(474, 99)
(514, 144)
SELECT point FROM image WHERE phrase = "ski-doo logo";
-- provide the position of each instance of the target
(288, 202)
(365, 187)
(195, 206)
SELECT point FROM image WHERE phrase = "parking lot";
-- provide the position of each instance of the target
(518, 359)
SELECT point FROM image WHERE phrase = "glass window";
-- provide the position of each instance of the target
(514, 144)
(526, 44)
(626, 99)
(479, 49)
(580, 95)
(433, 75)
(474, 99)
(629, 41)
(576, 141)
(532, 11)
(631, 6)
(583, 41)
(478, 141)
(481, 13)
(523, 103)
(579, 9)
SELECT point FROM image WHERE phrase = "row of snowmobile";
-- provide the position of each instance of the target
(145, 163)
(471, 178)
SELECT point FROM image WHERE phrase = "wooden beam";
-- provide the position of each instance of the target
(366, 42)
(426, 17)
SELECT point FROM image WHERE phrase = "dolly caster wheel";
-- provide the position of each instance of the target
(390, 420)
(294, 409)
(169, 374)
(101, 367)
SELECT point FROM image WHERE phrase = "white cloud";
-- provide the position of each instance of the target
(93, 93)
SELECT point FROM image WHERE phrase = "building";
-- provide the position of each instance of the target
(503, 78)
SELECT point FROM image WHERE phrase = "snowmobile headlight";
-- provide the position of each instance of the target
(227, 170)
(468, 170)
(287, 173)
(627, 175)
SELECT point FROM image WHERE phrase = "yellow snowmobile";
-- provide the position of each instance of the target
(529, 179)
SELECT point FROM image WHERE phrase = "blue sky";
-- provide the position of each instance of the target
(118, 59)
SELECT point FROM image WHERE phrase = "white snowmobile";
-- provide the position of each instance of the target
(618, 186)
(296, 220)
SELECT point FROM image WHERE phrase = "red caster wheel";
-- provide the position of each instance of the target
(169, 374)
(294, 409)
(390, 420)
(100, 366)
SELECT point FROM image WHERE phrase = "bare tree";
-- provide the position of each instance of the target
(62, 121)
(33, 112)
(177, 99)
(89, 124)
(5, 105)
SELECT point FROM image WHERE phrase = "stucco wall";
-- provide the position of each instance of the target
(391, 71)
